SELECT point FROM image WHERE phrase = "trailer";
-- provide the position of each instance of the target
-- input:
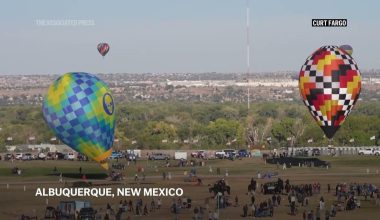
(180, 155)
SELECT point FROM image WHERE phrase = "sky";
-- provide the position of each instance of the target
(164, 36)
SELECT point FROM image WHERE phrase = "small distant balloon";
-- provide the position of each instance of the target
(347, 48)
(330, 84)
(79, 108)
(103, 48)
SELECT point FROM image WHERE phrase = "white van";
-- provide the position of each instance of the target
(70, 156)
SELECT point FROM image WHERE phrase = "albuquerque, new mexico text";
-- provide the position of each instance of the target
(108, 192)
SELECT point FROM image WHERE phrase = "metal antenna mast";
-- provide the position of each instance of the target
(248, 53)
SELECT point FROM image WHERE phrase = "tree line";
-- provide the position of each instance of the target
(200, 125)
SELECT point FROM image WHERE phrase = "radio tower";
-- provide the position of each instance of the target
(248, 53)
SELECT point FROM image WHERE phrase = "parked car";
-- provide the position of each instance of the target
(59, 156)
(49, 156)
(8, 157)
(27, 156)
(115, 155)
(41, 156)
(230, 153)
(82, 157)
(18, 156)
(70, 156)
(301, 153)
(315, 152)
(366, 151)
(376, 152)
(220, 154)
(198, 154)
(159, 156)
(243, 153)
(131, 157)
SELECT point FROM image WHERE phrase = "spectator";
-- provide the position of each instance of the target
(159, 203)
(245, 210)
(274, 200)
(216, 216)
(321, 203)
(327, 215)
(130, 204)
(278, 199)
(152, 206)
(145, 210)
(253, 199)
(253, 210)
(318, 214)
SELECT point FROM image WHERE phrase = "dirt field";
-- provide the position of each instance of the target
(14, 201)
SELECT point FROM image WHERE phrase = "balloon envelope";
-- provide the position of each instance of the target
(347, 48)
(79, 108)
(330, 84)
(103, 48)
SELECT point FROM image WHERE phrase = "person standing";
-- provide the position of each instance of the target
(318, 214)
(253, 199)
(159, 203)
(327, 215)
(253, 210)
(321, 203)
(245, 210)
(60, 178)
(210, 216)
(216, 216)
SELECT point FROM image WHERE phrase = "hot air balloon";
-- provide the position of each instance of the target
(330, 84)
(79, 108)
(103, 48)
(347, 48)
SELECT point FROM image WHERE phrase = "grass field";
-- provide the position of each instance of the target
(14, 201)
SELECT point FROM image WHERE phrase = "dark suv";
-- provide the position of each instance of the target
(315, 152)
(243, 153)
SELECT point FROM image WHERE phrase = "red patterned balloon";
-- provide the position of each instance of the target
(103, 48)
(330, 84)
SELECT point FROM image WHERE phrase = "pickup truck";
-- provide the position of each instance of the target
(159, 156)
(367, 151)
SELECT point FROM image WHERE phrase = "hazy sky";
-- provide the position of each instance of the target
(180, 35)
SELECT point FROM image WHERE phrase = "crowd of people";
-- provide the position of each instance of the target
(129, 208)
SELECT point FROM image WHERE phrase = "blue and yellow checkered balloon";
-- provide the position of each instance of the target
(79, 108)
